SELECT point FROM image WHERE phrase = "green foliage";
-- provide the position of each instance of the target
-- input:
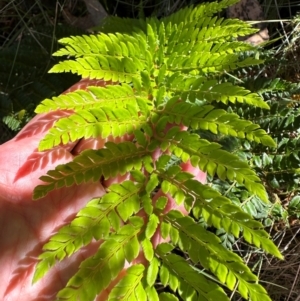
(204, 247)
(96, 272)
(190, 283)
(294, 207)
(130, 287)
(277, 166)
(166, 74)
(93, 221)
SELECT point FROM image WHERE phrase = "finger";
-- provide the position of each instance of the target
(199, 175)
(18, 168)
(84, 83)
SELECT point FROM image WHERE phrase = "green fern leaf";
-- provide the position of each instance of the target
(148, 249)
(117, 70)
(152, 293)
(217, 121)
(167, 297)
(203, 62)
(209, 157)
(208, 30)
(120, 45)
(215, 209)
(168, 73)
(211, 90)
(221, 213)
(205, 247)
(151, 225)
(94, 221)
(130, 286)
(96, 97)
(96, 272)
(189, 14)
(119, 58)
(90, 165)
(96, 122)
(152, 271)
(187, 279)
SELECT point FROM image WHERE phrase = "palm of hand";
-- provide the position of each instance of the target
(25, 225)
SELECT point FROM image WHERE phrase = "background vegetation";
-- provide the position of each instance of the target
(29, 33)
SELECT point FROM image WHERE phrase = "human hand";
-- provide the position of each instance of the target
(25, 225)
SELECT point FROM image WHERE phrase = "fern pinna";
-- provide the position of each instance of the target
(149, 86)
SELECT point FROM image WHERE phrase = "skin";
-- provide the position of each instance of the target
(25, 225)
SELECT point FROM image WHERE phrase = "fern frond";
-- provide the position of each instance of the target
(101, 67)
(206, 62)
(282, 119)
(96, 122)
(169, 75)
(217, 210)
(96, 272)
(12, 122)
(186, 15)
(119, 58)
(211, 55)
(181, 277)
(211, 90)
(209, 30)
(118, 45)
(90, 165)
(130, 286)
(221, 213)
(181, 49)
(279, 166)
(211, 158)
(275, 87)
(94, 221)
(119, 96)
(205, 248)
(217, 121)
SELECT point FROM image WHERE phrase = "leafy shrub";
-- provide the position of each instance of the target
(167, 85)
